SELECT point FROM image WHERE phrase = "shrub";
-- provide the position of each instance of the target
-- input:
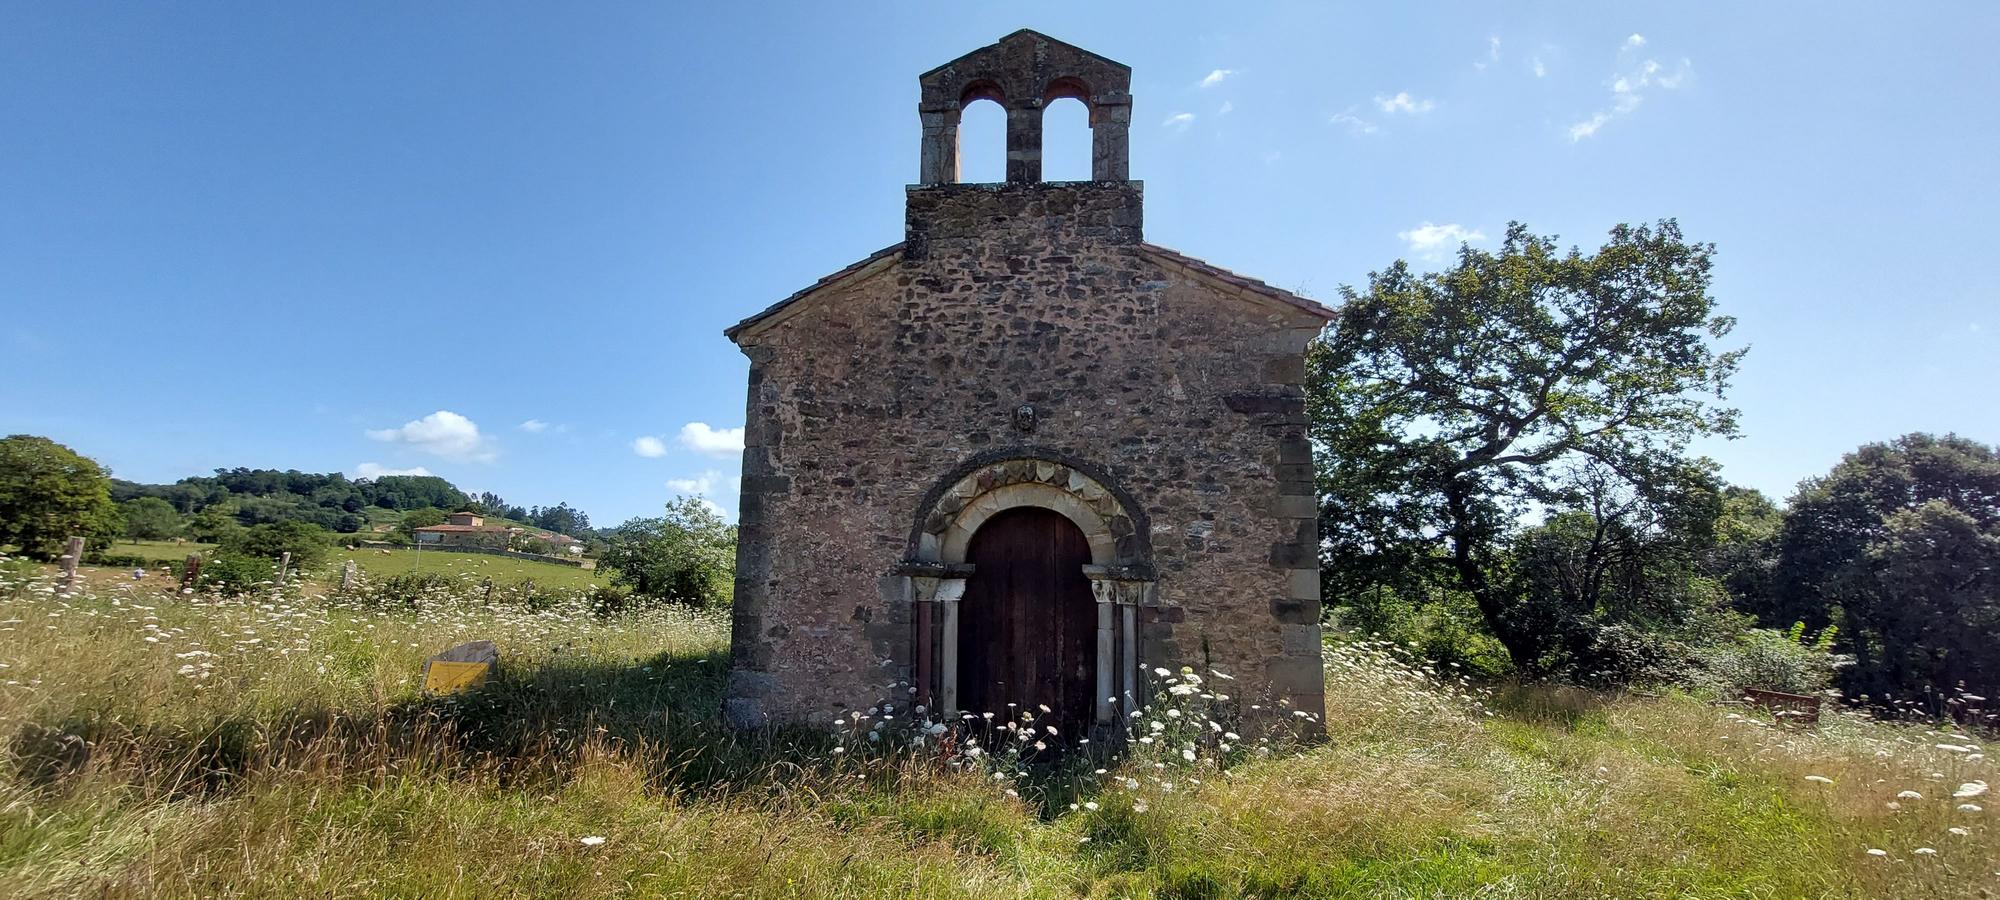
(118, 560)
(17, 575)
(233, 574)
(1618, 655)
(437, 590)
(1445, 628)
(1771, 660)
(686, 556)
(306, 543)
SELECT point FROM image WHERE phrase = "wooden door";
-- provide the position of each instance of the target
(1028, 622)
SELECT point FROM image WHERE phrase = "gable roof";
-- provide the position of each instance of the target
(1226, 279)
(870, 264)
(1230, 282)
(1029, 34)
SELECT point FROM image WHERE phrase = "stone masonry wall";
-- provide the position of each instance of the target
(1176, 388)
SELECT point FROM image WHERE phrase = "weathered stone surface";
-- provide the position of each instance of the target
(1167, 403)
(455, 678)
(470, 652)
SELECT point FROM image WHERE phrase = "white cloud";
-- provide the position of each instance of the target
(1355, 124)
(1492, 54)
(1216, 77)
(1635, 41)
(1589, 126)
(377, 470)
(716, 508)
(1629, 90)
(699, 486)
(1226, 108)
(1539, 69)
(1431, 242)
(1402, 102)
(443, 433)
(533, 426)
(649, 446)
(1179, 121)
(701, 438)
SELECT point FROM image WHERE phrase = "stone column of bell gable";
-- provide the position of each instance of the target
(939, 153)
(1111, 138)
(1024, 144)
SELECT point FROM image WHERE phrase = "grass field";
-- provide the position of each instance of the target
(383, 563)
(159, 551)
(162, 745)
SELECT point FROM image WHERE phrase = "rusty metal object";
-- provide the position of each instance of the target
(1794, 710)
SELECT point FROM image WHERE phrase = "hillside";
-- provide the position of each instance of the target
(169, 746)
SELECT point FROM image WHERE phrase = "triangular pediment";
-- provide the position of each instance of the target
(1023, 36)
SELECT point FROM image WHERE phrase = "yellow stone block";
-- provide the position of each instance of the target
(452, 677)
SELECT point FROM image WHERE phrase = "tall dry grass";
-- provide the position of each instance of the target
(160, 744)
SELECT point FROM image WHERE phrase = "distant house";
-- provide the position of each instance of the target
(464, 529)
(467, 529)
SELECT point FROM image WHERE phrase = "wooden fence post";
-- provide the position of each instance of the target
(284, 566)
(191, 571)
(348, 573)
(72, 555)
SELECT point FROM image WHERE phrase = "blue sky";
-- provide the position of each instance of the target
(499, 242)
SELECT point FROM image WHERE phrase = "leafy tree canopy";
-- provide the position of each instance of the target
(1446, 407)
(561, 519)
(422, 517)
(49, 493)
(308, 544)
(150, 519)
(1900, 545)
(686, 556)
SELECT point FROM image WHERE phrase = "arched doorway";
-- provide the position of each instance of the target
(1028, 625)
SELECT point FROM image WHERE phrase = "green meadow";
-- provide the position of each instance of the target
(167, 745)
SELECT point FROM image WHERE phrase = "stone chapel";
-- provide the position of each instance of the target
(1022, 455)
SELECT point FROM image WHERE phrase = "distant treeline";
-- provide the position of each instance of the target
(333, 501)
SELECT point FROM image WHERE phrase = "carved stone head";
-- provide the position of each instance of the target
(1024, 418)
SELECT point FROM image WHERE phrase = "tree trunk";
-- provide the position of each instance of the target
(1522, 646)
